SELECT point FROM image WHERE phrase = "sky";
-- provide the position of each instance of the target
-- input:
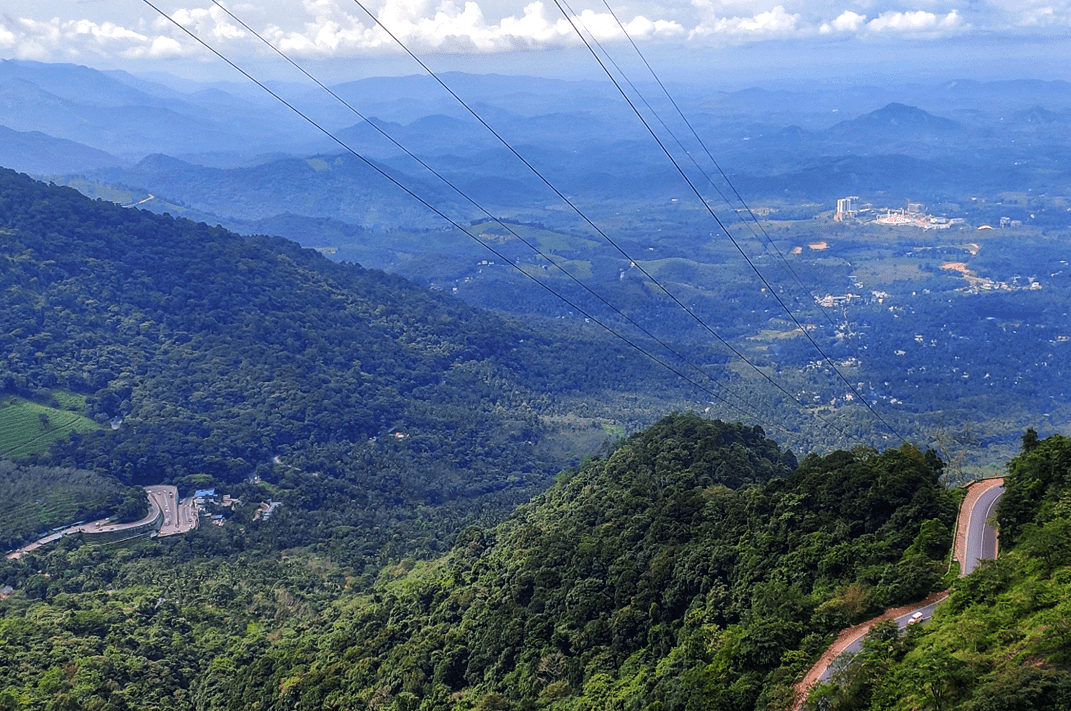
(737, 41)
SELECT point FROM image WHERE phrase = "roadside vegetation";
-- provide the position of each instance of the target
(1002, 641)
(427, 555)
(696, 565)
(35, 499)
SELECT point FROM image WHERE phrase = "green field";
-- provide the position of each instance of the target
(30, 428)
(548, 240)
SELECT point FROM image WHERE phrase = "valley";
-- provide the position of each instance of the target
(630, 450)
(909, 308)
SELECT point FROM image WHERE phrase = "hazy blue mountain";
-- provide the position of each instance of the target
(390, 97)
(1005, 95)
(125, 130)
(78, 84)
(243, 156)
(1039, 115)
(437, 134)
(898, 120)
(131, 118)
(341, 187)
(36, 152)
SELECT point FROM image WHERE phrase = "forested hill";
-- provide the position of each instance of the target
(694, 568)
(220, 357)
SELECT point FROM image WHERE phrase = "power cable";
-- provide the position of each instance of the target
(451, 221)
(586, 219)
(755, 222)
(719, 222)
(469, 199)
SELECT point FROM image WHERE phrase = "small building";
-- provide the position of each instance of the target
(266, 510)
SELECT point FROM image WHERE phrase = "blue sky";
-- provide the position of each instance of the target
(734, 41)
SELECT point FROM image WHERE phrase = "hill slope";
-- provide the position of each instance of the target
(680, 572)
(233, 357)
(641, 580)
(1002, 641)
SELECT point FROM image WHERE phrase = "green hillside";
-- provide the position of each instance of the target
(695, 567)
(35, 499)
(386, 415)
(31, 428)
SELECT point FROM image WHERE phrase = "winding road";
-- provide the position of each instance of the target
(179, 516)
(981, 541)
(975, 541)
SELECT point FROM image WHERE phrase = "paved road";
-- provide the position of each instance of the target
(178, 517)
(981, 537)
(908, 618)
(980, 544)
(163, 499)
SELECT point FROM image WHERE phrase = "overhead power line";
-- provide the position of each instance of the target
(506, 260)
(773, 292)
(455, 224)
(586, 219)
(535, 249)
(768, 242)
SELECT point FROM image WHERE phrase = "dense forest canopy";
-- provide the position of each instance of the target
(698, 565)
(224, 358)
(34, 499)
(681, 571)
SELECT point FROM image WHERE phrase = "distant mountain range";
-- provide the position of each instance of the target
(898, 120)
(238, 157)
(41, 154)
(198, 336)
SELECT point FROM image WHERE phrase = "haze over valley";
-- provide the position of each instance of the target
(512, 387)
(910, 310)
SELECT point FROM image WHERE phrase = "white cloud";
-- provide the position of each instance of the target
(77, 39)
(7, 38)
(41, 33)
(338, 28)
(918, 22)
(641, 27)
(212, 23)
(1047, 16)
(771, 23)
(164, 48)
(533, 28)
(847, 21)
(102, 33)
(1029, 14)
(450, 27)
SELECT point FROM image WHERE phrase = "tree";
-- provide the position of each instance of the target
(131, 509)
(1050, 543)
(939, 677)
